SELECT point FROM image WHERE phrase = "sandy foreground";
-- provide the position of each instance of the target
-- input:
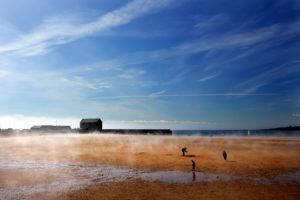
(148, 167)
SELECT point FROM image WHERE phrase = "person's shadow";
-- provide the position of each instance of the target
(190, 155)
(230, 160)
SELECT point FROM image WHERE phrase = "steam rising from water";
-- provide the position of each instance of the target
(25, 122)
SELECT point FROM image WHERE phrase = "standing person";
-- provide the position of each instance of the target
(193, 165)
(184, 151)
(224, 155)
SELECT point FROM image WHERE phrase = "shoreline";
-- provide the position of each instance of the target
(149, 135)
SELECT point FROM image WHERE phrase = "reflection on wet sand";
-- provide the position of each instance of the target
(73, 176)
(194, 176)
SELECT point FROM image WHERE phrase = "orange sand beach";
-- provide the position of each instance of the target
(94, 166)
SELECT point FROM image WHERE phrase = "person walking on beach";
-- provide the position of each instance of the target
(193, 165)
(184, 151)
(224, 155)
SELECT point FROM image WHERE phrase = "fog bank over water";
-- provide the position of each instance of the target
(25, 122)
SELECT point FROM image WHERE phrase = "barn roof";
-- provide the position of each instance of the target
(91, 120)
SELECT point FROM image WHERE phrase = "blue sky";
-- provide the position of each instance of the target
(187, 64)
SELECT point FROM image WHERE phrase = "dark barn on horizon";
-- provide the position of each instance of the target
(90, 125)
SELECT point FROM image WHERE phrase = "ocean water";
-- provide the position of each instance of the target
(285, 133)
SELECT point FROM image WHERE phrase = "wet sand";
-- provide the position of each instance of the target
(148, 167)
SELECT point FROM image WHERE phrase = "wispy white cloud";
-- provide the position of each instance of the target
(80, 81)
(267, 77)
(229, 40)
(59, 31)
(211, 22)
(243, 40)
(51, 85)
(60, 84)
(246, 41)
(7, 32)
(130, 73)
(209, 77)
(157, 93)
(3, 73)
(184, 95)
